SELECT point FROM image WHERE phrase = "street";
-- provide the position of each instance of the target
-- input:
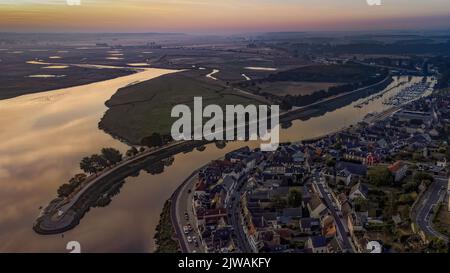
(182, 205)
(428, 204)
(235, 219)
(340, 222)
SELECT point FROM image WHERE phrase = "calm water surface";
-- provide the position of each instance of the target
(43, 137)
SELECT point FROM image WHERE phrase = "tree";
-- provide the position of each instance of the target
(389, 209)
(406, 199)
(111, 155)
(421, 176)
(361, 204)
(331, 162)
(132, 152)
(87, 165)
(220, 144)
(99, 162)
(411, 186)
(155, 140)
(380, 176)
(437, 245)
(67, 189)
(295, 198)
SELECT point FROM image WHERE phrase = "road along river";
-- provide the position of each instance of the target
(43, 137)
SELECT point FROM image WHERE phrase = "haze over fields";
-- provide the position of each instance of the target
(220, 16)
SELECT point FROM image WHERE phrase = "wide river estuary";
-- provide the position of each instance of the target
(43, 136)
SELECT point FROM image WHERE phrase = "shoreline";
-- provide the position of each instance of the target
(127, 70)
(47, 223)
(61, 215)
(165, 234)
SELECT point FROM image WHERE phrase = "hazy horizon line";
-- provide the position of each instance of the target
(221, 33)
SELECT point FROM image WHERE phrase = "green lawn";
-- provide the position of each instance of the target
(140, 110)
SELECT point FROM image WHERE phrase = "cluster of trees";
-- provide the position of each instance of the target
(443, 65)
(66, 189)
(164, 232)
(290, 101)
(132, 151)
(156, 140)
(380, 176)
(294, 198)
(326, 73)
(98, 162)
(438, 245)
(418, 178)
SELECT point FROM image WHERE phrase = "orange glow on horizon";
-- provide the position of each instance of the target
(197, 15)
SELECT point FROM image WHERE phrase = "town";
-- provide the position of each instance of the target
(384, 180)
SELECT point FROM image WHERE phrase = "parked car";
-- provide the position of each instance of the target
(189, 239)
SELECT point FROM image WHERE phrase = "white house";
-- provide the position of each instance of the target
(442, 164)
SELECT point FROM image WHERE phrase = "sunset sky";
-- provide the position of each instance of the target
(221, 15)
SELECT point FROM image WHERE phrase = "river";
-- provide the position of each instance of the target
(43, 137)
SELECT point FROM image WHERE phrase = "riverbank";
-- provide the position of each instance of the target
(42, 80)
(165, 234)
(63, 214)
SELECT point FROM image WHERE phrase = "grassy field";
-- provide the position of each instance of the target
(442, 220)
(140, 110)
